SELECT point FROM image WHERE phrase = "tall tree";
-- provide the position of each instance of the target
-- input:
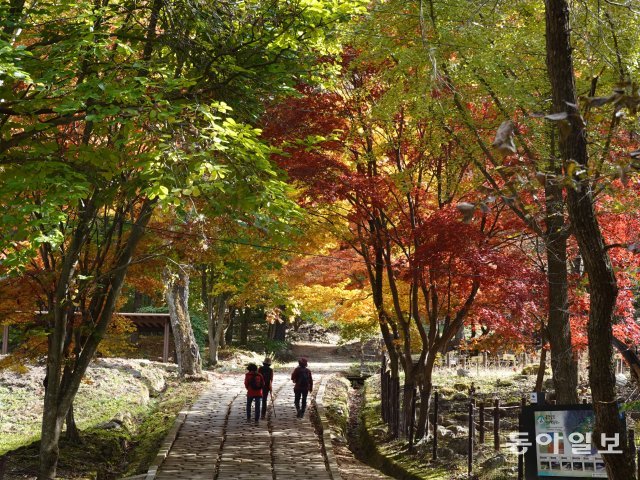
(112, 110)
(380, 163)
(603, 289)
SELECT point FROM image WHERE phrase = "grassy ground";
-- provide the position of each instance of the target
(392, 455)
(113, 453)
(336, 399)
(508, 385)
(101, 396)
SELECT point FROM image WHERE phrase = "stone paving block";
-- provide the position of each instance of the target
(210, 441)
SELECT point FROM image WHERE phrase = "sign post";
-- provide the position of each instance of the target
(557, 443)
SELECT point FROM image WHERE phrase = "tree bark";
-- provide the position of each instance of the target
(228, 332)
(563, 362)
(216, 326)
(541, 368)
(177, 296)
(630, 357)
(244, 325)
(426, 389)
(72, 433)
(62, 385)
(603, 288)
(280, 329)
(216, 309)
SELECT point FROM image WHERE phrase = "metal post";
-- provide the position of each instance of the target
(165, 350)
(5, 339)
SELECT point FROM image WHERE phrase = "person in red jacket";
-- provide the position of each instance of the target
(267, 373)
(303, 380)
(253, 382)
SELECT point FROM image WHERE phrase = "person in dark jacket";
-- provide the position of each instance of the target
(267, 373)
(303, 381)
(253, 382)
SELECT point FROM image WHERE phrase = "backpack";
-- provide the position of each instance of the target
(256, 382)
(303, 379)
(266, 372)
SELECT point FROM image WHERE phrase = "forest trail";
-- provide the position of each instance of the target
(216, 441)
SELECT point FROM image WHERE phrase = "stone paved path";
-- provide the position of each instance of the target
(216, 441)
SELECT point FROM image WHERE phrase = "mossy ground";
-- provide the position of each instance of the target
(392, 455)
(336, 399)
(107, 454)
(506, 384)
(98, 401)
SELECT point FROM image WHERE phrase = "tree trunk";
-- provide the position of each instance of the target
(630, 357)
(563, 363)
(228, 332)
(244, 325)
(62, 387)
(541, 368)
(138, 298)
(407, 400)
(72, 433)
(426, 388)
(49, 451)
(603, 288)
(225, 327)
(177, 296)
(216, 326)
(280, 329)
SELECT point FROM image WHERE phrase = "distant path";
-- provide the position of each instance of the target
(216, 442)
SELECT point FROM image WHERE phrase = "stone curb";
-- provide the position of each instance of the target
(326, 432)
(164, 449)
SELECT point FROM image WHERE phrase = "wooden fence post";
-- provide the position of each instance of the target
(436, 399)
(496, 425)
(470, 444)
(390, 403)
(396, 412)
(481, 423)
(631, 439)
(384, 393)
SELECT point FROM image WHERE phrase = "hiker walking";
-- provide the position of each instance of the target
(253, 382)
(301, 376)
(267, 374)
